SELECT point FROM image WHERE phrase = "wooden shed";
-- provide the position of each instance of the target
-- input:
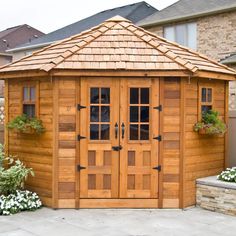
(118, 104)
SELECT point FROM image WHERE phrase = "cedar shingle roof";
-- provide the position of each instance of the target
(117, 44)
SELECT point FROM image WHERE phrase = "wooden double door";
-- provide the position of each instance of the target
(119, 124)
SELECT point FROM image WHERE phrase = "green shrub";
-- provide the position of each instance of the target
(229, 175)
(211, 123)
(12, 178)
(23, 123)
(2, 155)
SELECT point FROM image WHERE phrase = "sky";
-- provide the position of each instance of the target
(49, 15)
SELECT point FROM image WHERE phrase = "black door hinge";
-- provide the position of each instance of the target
(157, 168)
(79, 107)
(79, 137)
(79, 167)
(117, 148)
(159, 138)
(159, 108)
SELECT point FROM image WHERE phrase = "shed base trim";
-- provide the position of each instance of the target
(118, 203)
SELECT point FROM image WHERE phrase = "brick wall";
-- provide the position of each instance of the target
(216, 35)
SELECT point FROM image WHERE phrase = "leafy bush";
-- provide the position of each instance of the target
(229, 175)
(24, 123)
(211, 124)
(12, 178)
(19, 201)
(2, 155)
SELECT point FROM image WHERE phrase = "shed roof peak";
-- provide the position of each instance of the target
(117, 18)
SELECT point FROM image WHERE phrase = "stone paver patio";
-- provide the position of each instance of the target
(48, 222)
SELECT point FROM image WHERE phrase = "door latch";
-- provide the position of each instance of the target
(117, 148)
(157, 168)
(79, 167)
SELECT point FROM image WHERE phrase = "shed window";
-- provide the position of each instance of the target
(206, 100)
(29, 101)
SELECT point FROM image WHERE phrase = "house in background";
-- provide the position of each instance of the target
(134, 12)
(13, 37)
(208, 27)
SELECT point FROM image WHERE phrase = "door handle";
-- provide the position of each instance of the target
(116, 130)
(123, 130)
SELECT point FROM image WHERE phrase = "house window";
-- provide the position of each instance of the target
(206, 100)
(29, 101)
(184, 34)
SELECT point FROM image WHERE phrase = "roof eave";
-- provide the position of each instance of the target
(187, 17)
(23, 74)
(215, 75)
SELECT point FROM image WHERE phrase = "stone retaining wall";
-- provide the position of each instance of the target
(216, 195)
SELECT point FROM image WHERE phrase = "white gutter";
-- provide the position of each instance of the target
(30, 47)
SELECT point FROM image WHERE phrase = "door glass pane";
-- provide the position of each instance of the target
(203, 94)
(94, 132)
(26, 94)
(134, 114)
(144, 95)
(134, 94)
(105, 132)
(133, 132)
(94, 95)
(105, 113)
(105, 95)
(32, 93)
(144, 132)
(94, 113)
(144, 114)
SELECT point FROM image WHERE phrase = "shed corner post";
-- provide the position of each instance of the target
(6, 119)
(182, 143)
(55, 86)
(226, 116)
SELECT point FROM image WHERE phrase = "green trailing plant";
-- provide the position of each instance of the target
(229, 175)
(25, 124)
(210, 124)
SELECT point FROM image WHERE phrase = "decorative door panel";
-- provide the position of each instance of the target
(139, 154)
(117, 129)
(98, 120)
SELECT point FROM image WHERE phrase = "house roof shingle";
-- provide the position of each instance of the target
(134, 12)
(116, 44)
(12, 37)
(185, 9)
